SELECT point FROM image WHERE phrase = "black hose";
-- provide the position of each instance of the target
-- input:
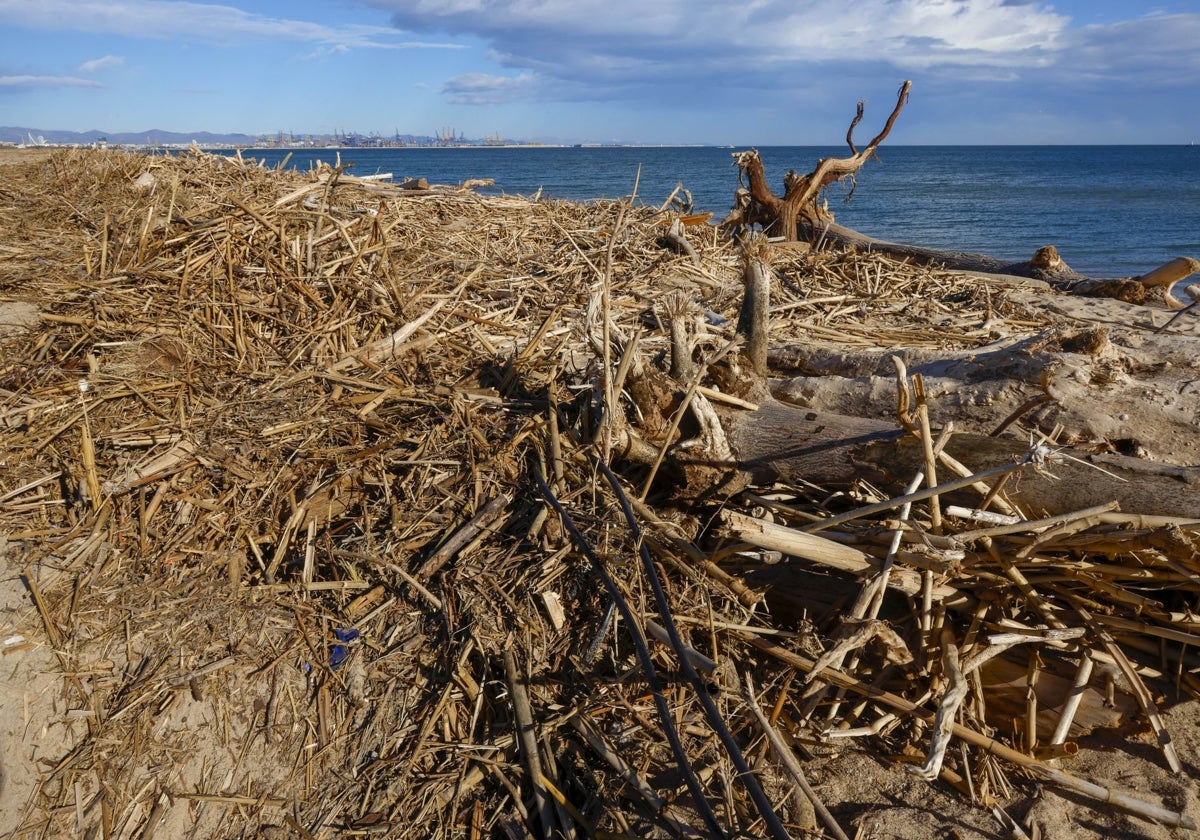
(643, 654)
(765, 809)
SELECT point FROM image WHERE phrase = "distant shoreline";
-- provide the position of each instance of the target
(229, 147)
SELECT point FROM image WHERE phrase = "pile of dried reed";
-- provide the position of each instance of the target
(298, 469)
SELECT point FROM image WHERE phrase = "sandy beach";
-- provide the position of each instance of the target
(306, 529)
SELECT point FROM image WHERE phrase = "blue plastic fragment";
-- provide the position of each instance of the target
(338, 654)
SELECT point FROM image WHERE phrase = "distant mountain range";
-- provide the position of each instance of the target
(208, 139)
(153, 137)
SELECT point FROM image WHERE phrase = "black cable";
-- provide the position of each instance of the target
(643, 654)
(765, 809)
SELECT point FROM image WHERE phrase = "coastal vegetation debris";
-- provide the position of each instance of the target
(304, 480)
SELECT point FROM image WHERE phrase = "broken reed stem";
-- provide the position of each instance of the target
(88, 454)
(879, 589)
(980, 487)
(1003, 471)
(1082, 675)
(527, 738)
(597, 742)
(1032, 673)
(935, 507)
(52, 631)
(1144, 698)
(610, 395)
(483, 522)
(1090, 790)
(788, 759)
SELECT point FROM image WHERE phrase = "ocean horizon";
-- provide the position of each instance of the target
(1112, 210)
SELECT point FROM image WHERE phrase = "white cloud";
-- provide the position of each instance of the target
(102, 63)
(906, 33)
(784, 52)
(1157, 49)
(178, 19)
(326, 51)
(486, 89)
(46, 82)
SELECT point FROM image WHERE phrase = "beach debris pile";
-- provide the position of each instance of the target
(315, 487)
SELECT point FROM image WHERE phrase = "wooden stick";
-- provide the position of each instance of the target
(1168, 274)
(1144, 698)
(1032, 525)
(483, 521)
(1003, 471)
(943, 722)
(659, 633)
(788, 759)
(828, 553)
(935, 508)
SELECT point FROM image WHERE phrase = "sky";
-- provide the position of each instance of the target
(744, 72)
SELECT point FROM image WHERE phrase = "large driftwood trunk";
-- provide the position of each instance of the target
(799, 215)
(1045, 264)
(775, 441)
(1111, 388)
(779, 441)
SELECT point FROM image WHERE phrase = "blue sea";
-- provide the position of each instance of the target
(1112, 211)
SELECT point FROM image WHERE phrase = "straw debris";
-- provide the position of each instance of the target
(305, 477)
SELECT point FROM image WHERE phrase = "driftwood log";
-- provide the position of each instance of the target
(1114, 388)
(781, 441)
(1046, 264)
(797, 210)
(799, 215)
(773, 440)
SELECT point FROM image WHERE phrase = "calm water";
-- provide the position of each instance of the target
(1112, 211)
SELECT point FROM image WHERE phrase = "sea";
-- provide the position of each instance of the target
(1112, 211)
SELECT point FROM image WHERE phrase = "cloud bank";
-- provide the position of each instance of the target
(630, 41)
(559, 50)
(167, 19)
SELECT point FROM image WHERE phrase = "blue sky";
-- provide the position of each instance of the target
(758, 72)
